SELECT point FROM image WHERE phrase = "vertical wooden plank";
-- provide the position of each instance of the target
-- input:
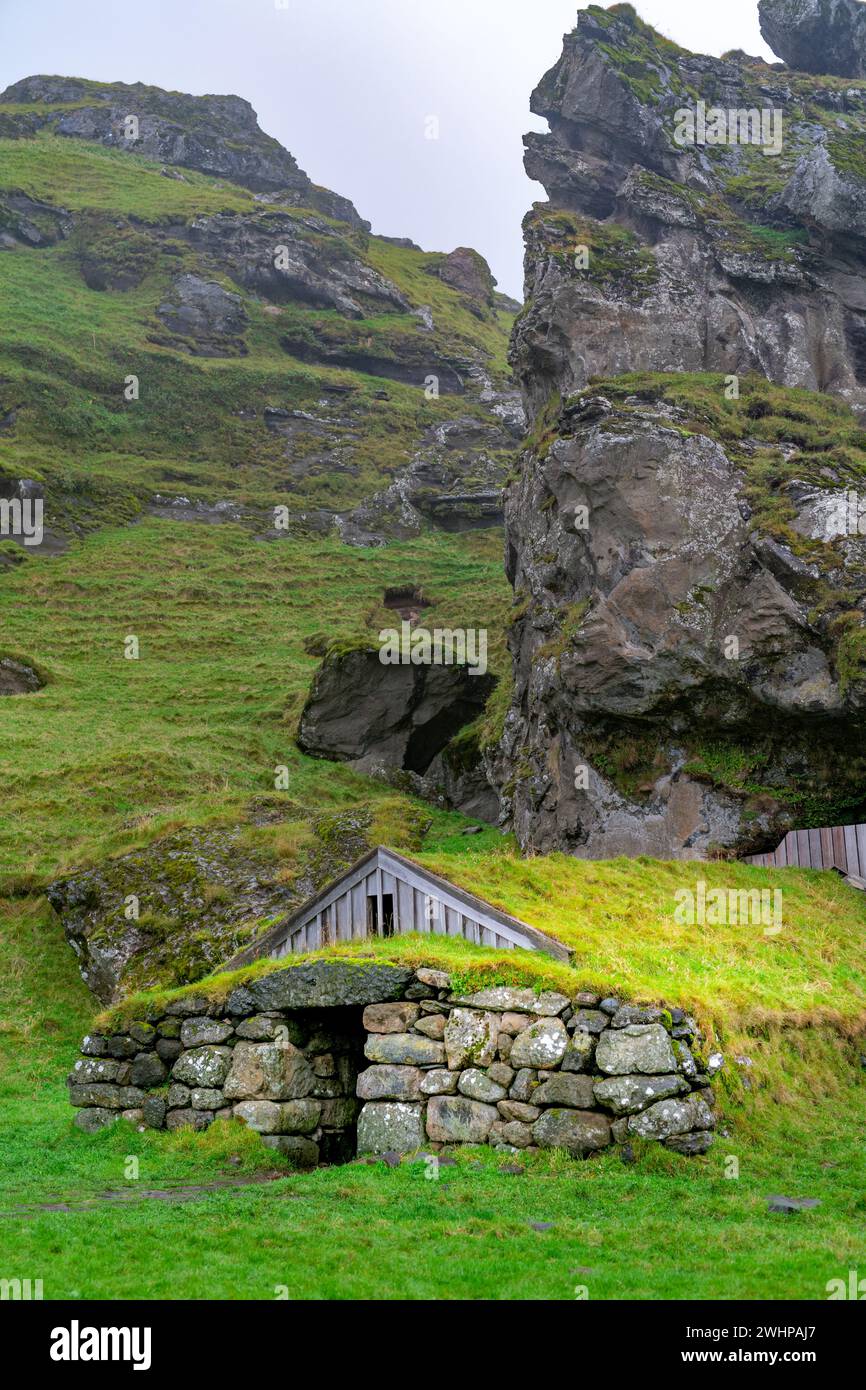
(793, 849)
(380, 916)
(488, 937)
(815, 848)
(358, 912)
(420, 922)
(851, 850)
(404, 907)
(803, 849)
(782, 853)
(840, 854)
(861, 849)
(826, 847)
(438, 924)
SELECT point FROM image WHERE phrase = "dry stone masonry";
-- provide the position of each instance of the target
(333, 1058)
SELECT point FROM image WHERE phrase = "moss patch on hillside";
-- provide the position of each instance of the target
(615, 257)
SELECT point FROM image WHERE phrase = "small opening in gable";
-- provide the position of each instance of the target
(386, 926)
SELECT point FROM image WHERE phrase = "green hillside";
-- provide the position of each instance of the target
(113, 756)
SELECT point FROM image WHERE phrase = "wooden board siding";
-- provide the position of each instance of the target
(422, 901)
(841, 847)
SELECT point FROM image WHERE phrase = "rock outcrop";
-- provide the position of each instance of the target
(679, 239)
(827, 36)
(467, 271)
(202, 316)
(17, 678)
(30, 222)
(177, 909)
(397, 717)
(690, 616)
(287, 259)
(217, 135)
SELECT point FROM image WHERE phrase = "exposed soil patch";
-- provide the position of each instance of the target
(408, 601)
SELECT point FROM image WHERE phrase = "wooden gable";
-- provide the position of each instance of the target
(386, 895)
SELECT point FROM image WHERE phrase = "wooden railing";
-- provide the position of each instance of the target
(840, 847)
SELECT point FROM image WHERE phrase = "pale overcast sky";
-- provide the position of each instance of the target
(348, 85)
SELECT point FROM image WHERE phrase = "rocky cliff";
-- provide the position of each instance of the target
(684, 539)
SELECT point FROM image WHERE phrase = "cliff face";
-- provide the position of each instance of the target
(684, 539)
(728, 257)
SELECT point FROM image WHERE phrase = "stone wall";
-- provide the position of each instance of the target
(332, 1058)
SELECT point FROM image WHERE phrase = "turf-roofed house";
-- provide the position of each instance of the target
(337, 1054)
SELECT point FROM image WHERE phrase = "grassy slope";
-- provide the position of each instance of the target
(113, 753)
(66, 350)
(112, 748)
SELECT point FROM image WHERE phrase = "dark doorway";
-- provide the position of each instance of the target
(386, 927)
(387, 914)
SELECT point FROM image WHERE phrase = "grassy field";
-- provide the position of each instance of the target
(665, 1227)
(114, 754)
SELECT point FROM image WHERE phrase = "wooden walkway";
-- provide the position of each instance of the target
(840, 847)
